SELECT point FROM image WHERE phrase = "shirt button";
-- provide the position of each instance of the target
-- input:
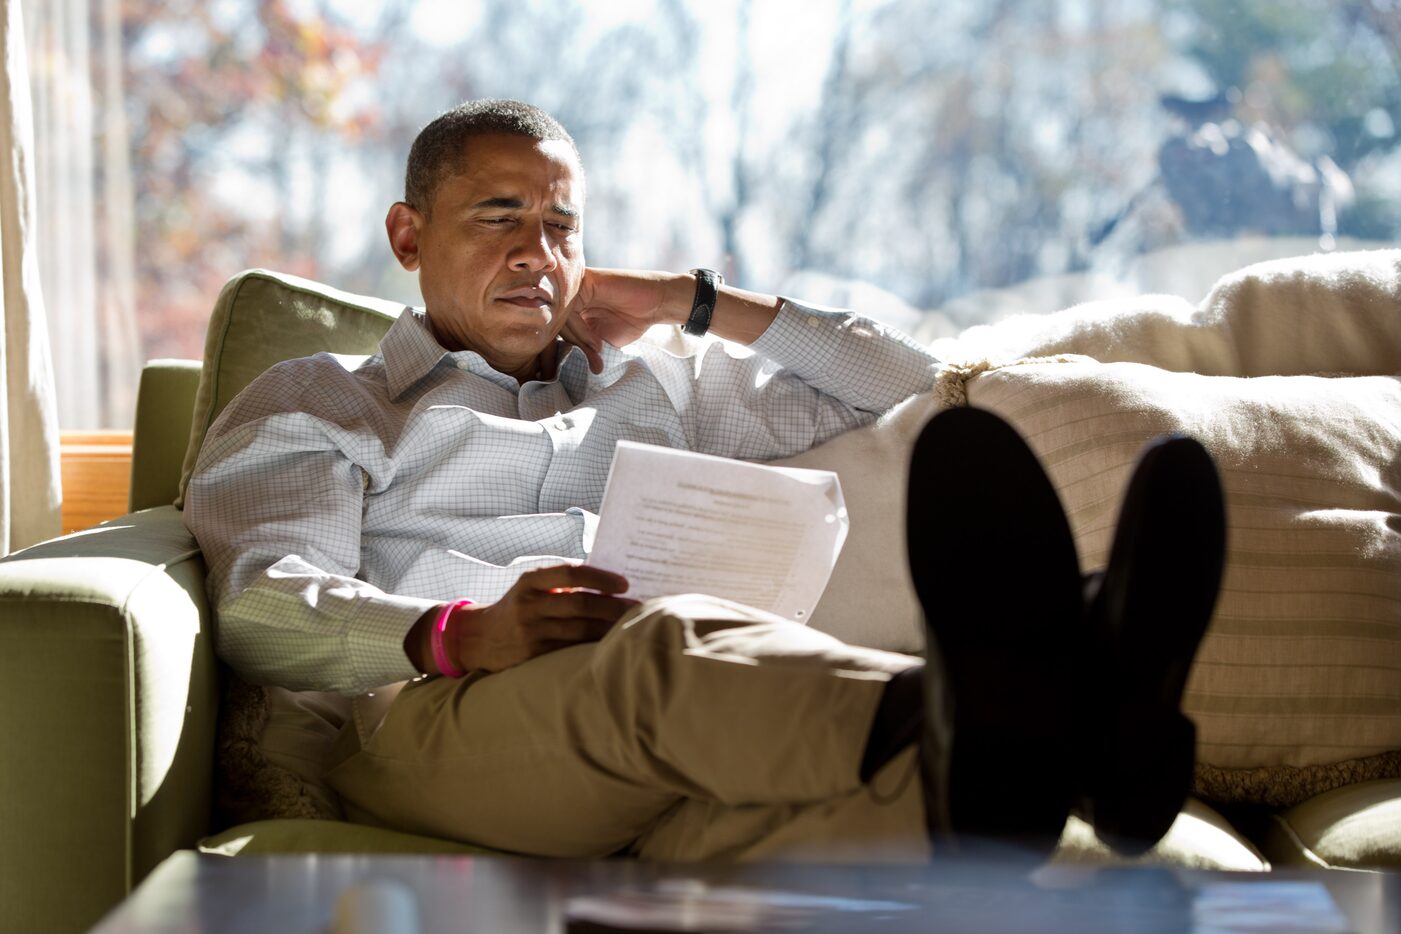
(813, 322)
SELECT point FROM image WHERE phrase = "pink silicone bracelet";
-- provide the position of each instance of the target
(440, 651)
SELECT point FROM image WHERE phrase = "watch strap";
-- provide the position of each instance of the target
(703, 305)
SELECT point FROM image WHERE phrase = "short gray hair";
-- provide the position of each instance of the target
(438, 152)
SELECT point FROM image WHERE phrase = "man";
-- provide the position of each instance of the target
(425, 517)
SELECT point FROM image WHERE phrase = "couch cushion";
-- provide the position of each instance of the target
(1200, 838)
(262, 318)
(1356, 827)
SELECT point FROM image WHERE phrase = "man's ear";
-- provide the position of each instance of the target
(403, 223)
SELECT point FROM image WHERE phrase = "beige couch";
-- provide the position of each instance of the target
(111, 694)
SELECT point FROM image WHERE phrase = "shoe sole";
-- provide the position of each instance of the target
(995, 569)
(1155, 603)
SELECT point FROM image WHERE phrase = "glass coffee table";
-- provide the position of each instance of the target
(190, 892)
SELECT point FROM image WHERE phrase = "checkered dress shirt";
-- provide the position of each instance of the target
(335, 506)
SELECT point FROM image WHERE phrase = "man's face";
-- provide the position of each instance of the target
(500, 256)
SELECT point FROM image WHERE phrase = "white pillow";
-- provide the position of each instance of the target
(869, 599)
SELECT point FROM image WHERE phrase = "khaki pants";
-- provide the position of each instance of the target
(696, 729)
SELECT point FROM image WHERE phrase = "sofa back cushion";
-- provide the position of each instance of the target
(262, 318)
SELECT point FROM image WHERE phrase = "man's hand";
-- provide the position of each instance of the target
(546, 609)
(617, 305)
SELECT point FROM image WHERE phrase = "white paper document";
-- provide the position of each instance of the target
(678, 522)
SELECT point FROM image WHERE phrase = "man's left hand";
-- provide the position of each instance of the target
(617, 306)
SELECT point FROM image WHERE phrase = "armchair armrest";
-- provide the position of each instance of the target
(108, 698)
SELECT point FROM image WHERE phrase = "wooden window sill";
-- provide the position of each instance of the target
(96, 473)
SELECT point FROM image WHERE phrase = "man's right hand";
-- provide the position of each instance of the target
(546, 609)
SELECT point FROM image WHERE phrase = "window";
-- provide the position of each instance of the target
(936, 163)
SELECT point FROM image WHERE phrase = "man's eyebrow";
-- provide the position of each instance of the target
(512, 203)
(515, 204)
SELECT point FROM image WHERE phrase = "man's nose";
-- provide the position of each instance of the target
(533, 251)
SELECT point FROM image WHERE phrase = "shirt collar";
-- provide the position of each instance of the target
(411, 352)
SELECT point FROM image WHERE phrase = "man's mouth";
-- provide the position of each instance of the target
(530, 297)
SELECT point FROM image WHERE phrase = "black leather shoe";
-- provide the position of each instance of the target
(1147, 614)
(994, 565)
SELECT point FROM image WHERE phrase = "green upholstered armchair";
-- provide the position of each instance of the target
(108, 683)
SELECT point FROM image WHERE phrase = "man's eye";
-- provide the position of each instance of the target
(564, 227)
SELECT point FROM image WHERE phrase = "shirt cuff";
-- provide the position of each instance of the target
(375, 637)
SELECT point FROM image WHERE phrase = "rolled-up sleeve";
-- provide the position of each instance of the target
(848, 356)
(813, 374)
(276, 506)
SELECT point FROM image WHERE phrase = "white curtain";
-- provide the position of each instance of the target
(85, 208)
(29, 476)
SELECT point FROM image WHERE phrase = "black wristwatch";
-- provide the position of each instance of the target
(707, 291)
